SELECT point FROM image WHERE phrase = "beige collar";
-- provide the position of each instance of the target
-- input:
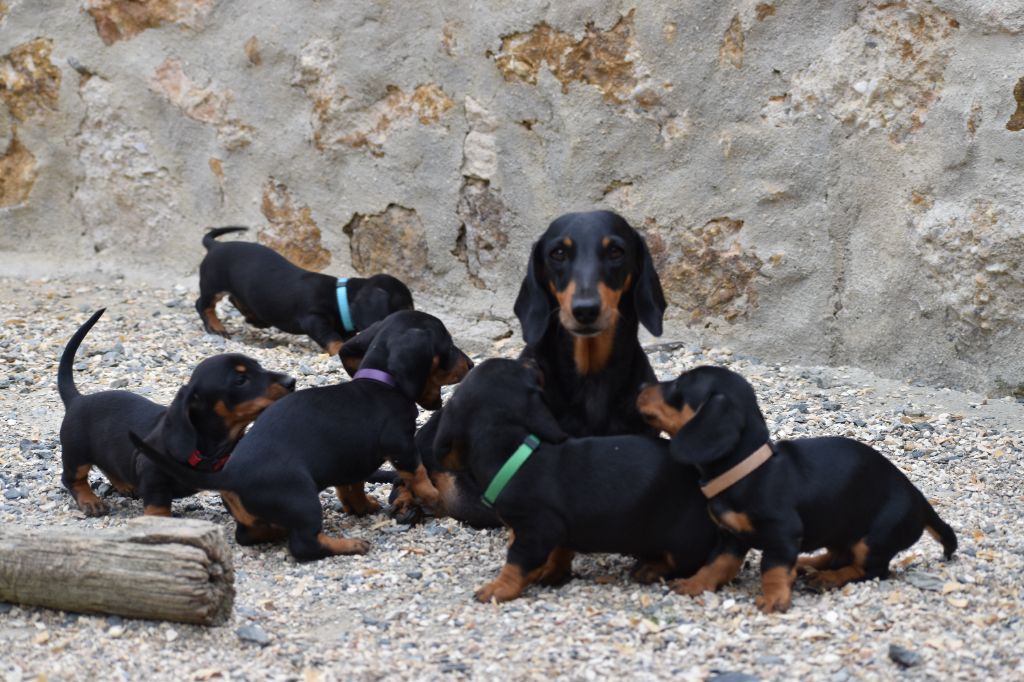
(744, 468)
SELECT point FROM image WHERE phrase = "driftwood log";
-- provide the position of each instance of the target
(152, 567)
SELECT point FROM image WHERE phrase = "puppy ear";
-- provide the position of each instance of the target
(371, 305)
(533, 305)
(354, 349)
(542, 423)
(713, 432)
(648, 296)
(176, 431)
(410, 360)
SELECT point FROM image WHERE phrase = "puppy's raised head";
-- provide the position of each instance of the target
(591, 268)
(708, 411)
(413, 347)
(497, 393)
(378, 297)
(222, 397)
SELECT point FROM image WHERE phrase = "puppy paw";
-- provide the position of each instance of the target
(95, 507)
(338, 546)
(496, 591)
(691, 587)
(647, 572)
(773, 603)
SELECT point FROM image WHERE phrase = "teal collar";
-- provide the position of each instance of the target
(346, 314)
(509, 469)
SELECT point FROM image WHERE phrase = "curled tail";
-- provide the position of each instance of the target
(65, 371)
(210, 238)
(941, 531)
(201, 480)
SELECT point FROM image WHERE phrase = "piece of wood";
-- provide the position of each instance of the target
(152, 567)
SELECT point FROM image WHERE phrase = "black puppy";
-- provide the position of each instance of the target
(336, 436)
(786, 497)
(590, 282)
(621, 494)
(199, 429)
(270, 291)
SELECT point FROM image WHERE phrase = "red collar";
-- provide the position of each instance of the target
(196, 458)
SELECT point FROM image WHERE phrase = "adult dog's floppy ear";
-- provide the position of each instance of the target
(533, 305)
(369, 306)
(648, 297)
(354, 349)
(713, 432)
(176, 432)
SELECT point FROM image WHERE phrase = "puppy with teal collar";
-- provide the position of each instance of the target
(270, 291)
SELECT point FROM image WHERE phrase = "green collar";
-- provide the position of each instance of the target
(509, 469)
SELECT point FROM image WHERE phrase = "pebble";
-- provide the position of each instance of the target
(905, 658)
(253, 633)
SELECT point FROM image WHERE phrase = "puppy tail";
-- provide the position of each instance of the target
(941, 531)
(201, 480)
(65, 371)
(210, 238)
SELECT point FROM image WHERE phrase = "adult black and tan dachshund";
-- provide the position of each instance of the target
(590, 283)
(561, 495)
(199, 429)
(335, 436)
(270, 291)
(788, 496)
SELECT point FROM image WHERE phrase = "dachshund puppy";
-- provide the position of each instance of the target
(335, 436)
(562, 495)
(199, 429)
(270, 291)
(786, 497)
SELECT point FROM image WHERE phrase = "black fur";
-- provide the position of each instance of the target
(335, 435)
(272, 292)
(95, 427)
(621, 494)
(811, 493)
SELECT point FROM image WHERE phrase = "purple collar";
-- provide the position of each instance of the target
(375, 375)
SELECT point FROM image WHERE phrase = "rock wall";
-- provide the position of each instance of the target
(819, 181)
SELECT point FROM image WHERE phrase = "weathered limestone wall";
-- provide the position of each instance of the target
(829, 182)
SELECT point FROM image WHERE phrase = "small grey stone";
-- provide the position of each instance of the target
(769, 660)
(733, 676)
(119, 383)
(925, 581)
(415, 575)
(253, 633)
(903, 657)
(15, 493)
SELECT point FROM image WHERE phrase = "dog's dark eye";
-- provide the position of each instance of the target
(241, 379)
(559, 253)
(615, 252)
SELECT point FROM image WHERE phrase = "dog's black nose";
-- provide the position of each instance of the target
(586, 311)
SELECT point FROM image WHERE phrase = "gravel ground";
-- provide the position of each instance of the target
(405, 610)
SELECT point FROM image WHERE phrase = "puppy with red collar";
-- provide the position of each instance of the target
(785, 497)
